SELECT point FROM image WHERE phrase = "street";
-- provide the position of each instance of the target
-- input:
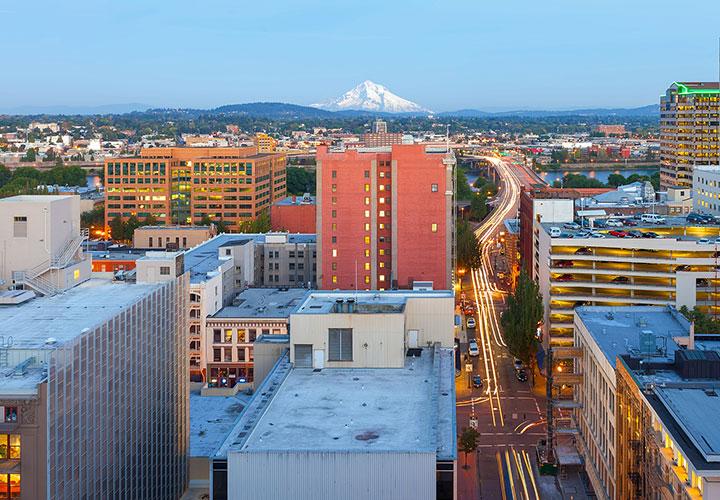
(509, 413)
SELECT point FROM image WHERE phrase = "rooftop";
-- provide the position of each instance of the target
(365, 302)
(34, 198)
(65, 316)
(619, 330)
(359, 410)
(211, 419)
(264, 303)
(177, 228)
(297, 200)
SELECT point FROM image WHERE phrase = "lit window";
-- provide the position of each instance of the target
(367, 252)
(433, 228)
(382, 187)
(382, 226)
(367, 226)
(382, 264)
(382, 213)
(334, 279)
(367, 240)
(334, 188)
(382, 251)
(76, 274)
(367, 213)
(382, 174)
(367, 188)
(367, 200)
(382, 200)
(434, 188)
(382, 277)
(334, 252)
(367, 279)
(334, 226)
(367, 266)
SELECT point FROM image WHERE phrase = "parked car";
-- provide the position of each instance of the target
(471, 322)
(521, 375)
(555, 232)
(597, 235)
(621, 279)
(614, 223)
(601, 223)
(617, 233)
(702, 282)
(571, 225)
(565, 277)
(704, 241)
(695, 218)
(477, 381)
(564, 263)
(650, 234)
(635, 233)
(653, 218)
(630, 222)
(473, 349)
(682, 268)
(583, 251)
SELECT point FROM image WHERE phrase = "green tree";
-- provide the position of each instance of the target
(468, 247)
(260, 224)
(300, 181)
(704, 323)
(130, 226)
(478, 206)
(29, 155)
(521, 318)
(150, 220)
(468, 442)
(118, 229)
(5, 175)
(94, 217)
(615, 180)
(464, 192)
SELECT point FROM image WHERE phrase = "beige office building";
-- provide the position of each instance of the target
(689, 115)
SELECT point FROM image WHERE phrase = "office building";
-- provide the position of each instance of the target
(380, 137)
(385, 217)
(611, 129)
(294, 214)
(706, 189)
(338, 420)
(93, 395)
(676, 267)
(265, 143)
(689, 115)
(225, 265)
(40, 243)
(172, 237)
(232, 331)
(602, 334)
(188, 185)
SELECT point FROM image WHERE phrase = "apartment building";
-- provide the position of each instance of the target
(337, 419)
(706, 189)
(40, 243)
(232, 331)
(93, 397)
(385, 217)
(188, 185)
(667, 435)
(174, 237)
(601, 335)
(225, 265)
(265, 143)
(679, 267)
(689, 115)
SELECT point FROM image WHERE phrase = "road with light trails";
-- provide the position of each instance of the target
(509, 413)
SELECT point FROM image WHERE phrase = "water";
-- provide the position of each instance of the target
(601, 175)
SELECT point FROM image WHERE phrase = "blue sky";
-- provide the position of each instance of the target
(450, 54)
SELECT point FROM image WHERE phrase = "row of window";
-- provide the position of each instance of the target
(225, 355)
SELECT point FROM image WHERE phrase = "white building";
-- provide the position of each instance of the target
(706, 189)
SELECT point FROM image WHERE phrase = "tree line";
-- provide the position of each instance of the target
(25, 180)
(614, 180)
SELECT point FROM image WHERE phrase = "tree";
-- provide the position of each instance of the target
(94, 217)
(117, 229)
(468, 247)
(704, 324)
(150, 220)
(463, 186)
(478, 206)
(520, 319)
(616, 180)
(29, 155)
(130, 226)
(260, 224)
(468, 442)
(300, 181)
(5, 175)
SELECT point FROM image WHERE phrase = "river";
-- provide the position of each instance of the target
(601, 175)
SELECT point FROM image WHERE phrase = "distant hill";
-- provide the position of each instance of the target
(649, 111)
(275, 110)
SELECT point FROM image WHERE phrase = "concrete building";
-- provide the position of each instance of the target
(689, 114)
(172, 237)
(186, 185)
(265, 143)
(229, 263)
(232, 331)
(706, 189)
(677, 267)
(40, 243)
(380, 137)
(385, 217)
(378, 420)
(601, 335)
(294, 214)
(94, 392)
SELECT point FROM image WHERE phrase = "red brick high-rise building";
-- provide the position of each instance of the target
(385, 217)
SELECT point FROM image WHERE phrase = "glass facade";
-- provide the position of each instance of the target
(118, 411)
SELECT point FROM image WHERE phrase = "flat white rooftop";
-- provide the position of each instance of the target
(410, 409)
(64, 316)
(211, 419)
(366, 302)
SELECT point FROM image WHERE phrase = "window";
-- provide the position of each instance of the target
(150, 241)
(340, 344)
(382, 200)
(334, 279)
(333, 239)
(433, 228)
(334, 252)
(381, 213)
(433, 188)
(367, 279)
(334, 174)
(10, 486)
(228, 336)
(216, 335)
(334, 266)
(367, 266)
(367, 200)
(227, 355)
(381, 251)
(367, 174)
(367, 213)
(367, 188)
(367, 252)
(367, 240)
(241, 353)
(8, 414)
(382, 277)
(216, 354)
(20, 227)
(381, 226)
(334, 213)
(164, 270)
(253, 335)
(367, 226)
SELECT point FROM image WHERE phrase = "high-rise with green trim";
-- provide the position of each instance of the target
(689, 132)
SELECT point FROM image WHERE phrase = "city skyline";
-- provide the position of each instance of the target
(617, 55)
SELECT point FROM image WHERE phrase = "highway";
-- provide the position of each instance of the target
(508, 412)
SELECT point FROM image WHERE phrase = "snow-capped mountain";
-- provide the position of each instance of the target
(370, 96)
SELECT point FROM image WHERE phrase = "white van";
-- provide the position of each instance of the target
(555, 232)
(653, 218)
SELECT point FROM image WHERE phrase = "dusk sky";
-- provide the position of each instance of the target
(444, 55)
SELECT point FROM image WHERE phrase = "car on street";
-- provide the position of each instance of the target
(696, 218)
(565, 277)
(614, 223)
(521, 375)
(629, 222)
(635, 233)
(617, 233)
(621, 279)
(571, 225)
(597, 235)
(517, 364)
(477, 381)
(473, 349)
(650, 234)
(563, 263)
(471, 322)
